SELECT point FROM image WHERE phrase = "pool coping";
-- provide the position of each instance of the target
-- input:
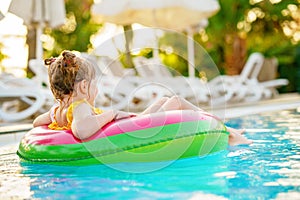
(13, 127)
(281, 102)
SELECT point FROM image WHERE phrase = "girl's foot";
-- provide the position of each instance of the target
(237, 139)
(238, 131)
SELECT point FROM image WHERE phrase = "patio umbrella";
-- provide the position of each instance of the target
(39, 14)
(170, 14)
(1, 16)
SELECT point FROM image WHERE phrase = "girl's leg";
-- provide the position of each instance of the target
(155, 106)
(178, 103)
(173, 103)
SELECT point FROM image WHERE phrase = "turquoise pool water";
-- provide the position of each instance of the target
(268, 169)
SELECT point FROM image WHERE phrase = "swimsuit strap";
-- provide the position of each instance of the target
(77, 103)
(69, 115)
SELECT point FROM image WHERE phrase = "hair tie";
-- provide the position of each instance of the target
(49, 61)
(67, 62)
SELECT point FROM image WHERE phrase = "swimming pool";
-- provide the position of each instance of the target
(268, 169)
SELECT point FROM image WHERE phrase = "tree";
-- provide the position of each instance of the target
(243, 26)
(75, 34)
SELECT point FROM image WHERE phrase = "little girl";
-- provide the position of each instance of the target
(73, 82)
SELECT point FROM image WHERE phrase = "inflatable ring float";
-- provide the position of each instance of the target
(155, 137)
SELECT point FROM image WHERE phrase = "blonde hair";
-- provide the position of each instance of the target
(66, 70)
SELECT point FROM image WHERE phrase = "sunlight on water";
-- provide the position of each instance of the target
(268, 169)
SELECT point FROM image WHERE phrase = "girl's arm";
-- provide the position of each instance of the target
(43, 119)
(85, 123)
(123, 115)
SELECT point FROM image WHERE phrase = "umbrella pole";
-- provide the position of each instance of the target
(39, 47)
(36, 65)
(156, 46)
(191, 56)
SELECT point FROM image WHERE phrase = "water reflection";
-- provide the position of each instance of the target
(274, 168)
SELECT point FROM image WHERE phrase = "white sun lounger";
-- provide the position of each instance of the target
(192, 89)
(121, 89)
(126, 94)
(244, 87)
(9, 95)
(34, 92)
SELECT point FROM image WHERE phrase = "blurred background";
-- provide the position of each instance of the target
(237, 29)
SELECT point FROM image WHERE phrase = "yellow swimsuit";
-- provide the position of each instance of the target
(54, 125)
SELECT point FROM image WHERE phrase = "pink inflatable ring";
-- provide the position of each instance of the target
(150, 138)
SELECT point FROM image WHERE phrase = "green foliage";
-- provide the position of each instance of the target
(177, 64)
(75, 34)
(265, 31)
(2, 57)
(173, 48)
(231, 12)
(146, 52)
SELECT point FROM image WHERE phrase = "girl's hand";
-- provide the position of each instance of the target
(122, 115)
